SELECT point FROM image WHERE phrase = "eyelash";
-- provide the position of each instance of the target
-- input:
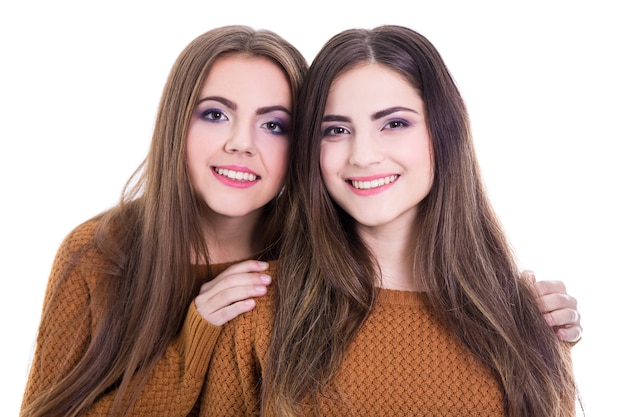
(282, 128)
(332, 131)
(394, 124)
(209, 113)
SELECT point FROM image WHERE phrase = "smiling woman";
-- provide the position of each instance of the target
(390, 299)
(136, 294)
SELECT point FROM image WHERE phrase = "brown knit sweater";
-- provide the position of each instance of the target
(175, 384)
(403, 362)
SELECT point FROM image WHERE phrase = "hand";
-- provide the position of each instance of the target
(558, 307)
(229, 294)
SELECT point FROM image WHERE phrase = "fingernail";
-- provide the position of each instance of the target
(266, 278)
(263, 264)
(260, 289)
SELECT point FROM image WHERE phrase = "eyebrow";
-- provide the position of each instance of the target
(391, 110)
(228, 103)
(269, 109)
(375, 116)
(335, 118)
(233, 106)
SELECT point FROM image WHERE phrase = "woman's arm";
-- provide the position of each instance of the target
(70, 315)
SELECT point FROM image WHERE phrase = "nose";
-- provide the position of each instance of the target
(240, 141)
(365, 151)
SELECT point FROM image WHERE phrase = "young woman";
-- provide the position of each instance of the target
(129, 320)
(396, 292)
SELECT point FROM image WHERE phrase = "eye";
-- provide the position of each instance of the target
(213, 115)
(275, 127)
(395, 124)
(335, 131)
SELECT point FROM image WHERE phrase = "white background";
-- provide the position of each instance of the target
(543, 81)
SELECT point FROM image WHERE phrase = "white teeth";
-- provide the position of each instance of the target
(367, 185)
(235, 175)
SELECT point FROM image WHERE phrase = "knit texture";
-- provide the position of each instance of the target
(403, 362)
(175, 384)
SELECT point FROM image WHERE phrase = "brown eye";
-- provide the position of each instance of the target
(395, 124)
(335, 131)
(275, 128)
(213, 115)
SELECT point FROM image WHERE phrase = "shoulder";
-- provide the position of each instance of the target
(78, 241)
(68, 288)
(78, 256)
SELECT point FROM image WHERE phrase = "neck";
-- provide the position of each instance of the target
(231, 238)
(394, 251)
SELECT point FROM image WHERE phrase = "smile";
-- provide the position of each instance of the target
(368, 185)
(235, 175)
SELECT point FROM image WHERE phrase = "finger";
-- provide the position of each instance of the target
(247, 266)
(210, 301)
(229, 312)
(529, 275)
(550, 287)
(244, 273)
(563, 317)
(216, 306)
(570, 334)
(558, 301)
(224, 282)
(244, 267)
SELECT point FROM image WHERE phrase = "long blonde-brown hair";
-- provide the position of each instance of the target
(150, 235)
(461, 251)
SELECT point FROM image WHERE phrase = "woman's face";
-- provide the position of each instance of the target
(376, 159)
(238, 136)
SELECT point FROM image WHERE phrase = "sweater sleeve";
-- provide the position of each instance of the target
(65, 331)
(235, 372)
(65, 326)
(173, 387)
(232, 385)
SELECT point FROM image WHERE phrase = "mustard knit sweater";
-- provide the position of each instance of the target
(403, 362)
(174, 386)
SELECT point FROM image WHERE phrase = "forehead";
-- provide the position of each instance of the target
(371, 85)
(238, 73)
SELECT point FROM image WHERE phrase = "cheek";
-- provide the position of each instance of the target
(278, 153)
(332, 163)
(194, 173)
(418, 157)
(195, 144)
(197, 154)
(424, 158)
(193, 155)
(427, 162)
(423, 154)
(327, 162)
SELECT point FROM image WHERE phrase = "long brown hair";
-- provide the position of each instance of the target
(150, 236)
(461, 251)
